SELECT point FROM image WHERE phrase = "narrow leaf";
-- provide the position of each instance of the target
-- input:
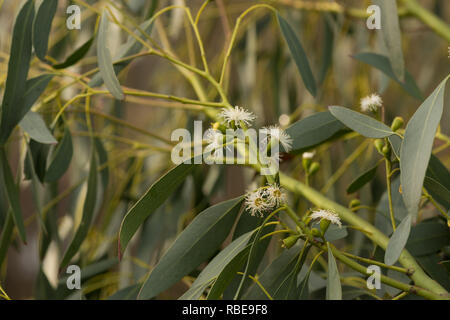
(88, 214)
(398, 241)
(364, 125)
(42, 27)
(334, 289)
(383, 64)
(34, 125)
(61, 158)
(12, 191)
(150, 201)
(76, 56)
(193, 246)
(298, 53)
(19, 63)
(314, 130)
(416, 147)
(392, 36)
(362, 180)
(105, 61)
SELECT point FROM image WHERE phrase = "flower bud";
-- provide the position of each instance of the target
(386, 151)
(324, 224)
(316, 233)
(290, 241)
(354, 203)
(379, 144)
(313, 168)
(306, 162)
(397, 123)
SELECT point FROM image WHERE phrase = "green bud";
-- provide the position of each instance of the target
(386, 151)
(354, 203)
(313, 168)
(397, 123)
(316, 233)
(290, 241)
(324, 224)
(379, 144)
(306, 164)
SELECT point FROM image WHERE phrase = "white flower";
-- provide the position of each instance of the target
(280, 135)
(214, 138)
(309, 155)
(256, 203)
(371, 103)
(275, 195)
(236, 115)
(328, 215)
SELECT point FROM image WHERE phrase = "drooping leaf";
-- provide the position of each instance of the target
(103, 159)
(105, 61)
(193, 246)
(416, 147)
(77, 55)
(34, 125)
(334, 289)
(437, 181)
(398, 241)
(215, 268)
(19, 63)
(12, 192)
(427, 238)
(362, 180)
(60, 158)
(298, 54)
(88, 213)
(314, 130)
(42, 27)
(390, 29)
(364, 125)
(131, 47)
(382, 63)
(150, 201)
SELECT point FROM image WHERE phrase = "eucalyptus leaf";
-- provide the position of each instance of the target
(334, 289)
(34, 125)
(19, 63)
(105, 61)
(194, 245)
(299, 54)
(364, 125)
(398, 241)
(417, 145)
(42, 27)
(383, 64)
(60, 158)
(88, 214)
(76, 56)
(362, 180)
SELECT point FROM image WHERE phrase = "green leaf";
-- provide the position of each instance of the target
(88, 213)
(105, 61)
(232, 253)
(362, 180)
(274, 275)
(103, 159)
(19, 63)
(298, 53)
(77, 55)
(396, 144)
(42, 27)
(6, 237)
(416, 147)
(392, 36)
(34, 125)
(314, 130)
(427, 238)
(128, 293)
(364, 125)
(131, 47)
(437, 181)
(12, 192)
(334, 289)
(398, 241)
(382, 63)
(437, 190)
(150, 201)
(202, 237)
(61, 158)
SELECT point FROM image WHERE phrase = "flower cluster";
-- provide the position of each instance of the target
(371, 103)
(278, 134)
(265, 199)
(234, 116)
(327, 215)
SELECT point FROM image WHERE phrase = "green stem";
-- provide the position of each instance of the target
(389, 192)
